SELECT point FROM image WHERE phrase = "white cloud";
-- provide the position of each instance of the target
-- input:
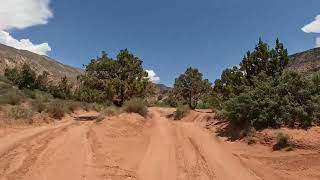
(313, 27)
(153, 77)
(20, 14)
(25, 44)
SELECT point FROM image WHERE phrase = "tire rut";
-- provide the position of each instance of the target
(25, 152)
(191, 163)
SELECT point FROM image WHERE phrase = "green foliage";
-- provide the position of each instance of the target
(260, 94)
(136, 105)
(181, 111)
(264, 59)
(116, 80)
(63, 89)
(191, 87)
(42, 81)
(17, 112)
(25, 78)
(12, 75)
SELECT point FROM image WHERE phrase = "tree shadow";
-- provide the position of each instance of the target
(229, 131)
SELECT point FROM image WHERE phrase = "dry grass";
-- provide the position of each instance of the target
(136, 105)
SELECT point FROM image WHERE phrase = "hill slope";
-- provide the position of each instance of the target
(305, 62)
(10, 57)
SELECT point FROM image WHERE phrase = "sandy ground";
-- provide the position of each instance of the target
(129, 146)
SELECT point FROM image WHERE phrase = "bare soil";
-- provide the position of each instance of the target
(129, 146)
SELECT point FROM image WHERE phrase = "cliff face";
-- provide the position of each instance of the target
(11, 57)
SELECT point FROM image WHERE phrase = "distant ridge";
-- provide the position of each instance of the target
(11, 57)
(305, 62)
(163, 88)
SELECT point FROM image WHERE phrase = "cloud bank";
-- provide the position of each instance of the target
(153, 77)
(313, 27)
(20, 14)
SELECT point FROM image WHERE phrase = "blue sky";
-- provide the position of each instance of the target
(171, 35)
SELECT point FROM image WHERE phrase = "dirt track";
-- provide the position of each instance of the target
(123, 147)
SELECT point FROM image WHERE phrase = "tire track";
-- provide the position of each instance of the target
(19, 158)
(191, 163)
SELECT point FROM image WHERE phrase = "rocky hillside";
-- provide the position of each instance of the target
(305, 62)
(162, 88)
(10, 57)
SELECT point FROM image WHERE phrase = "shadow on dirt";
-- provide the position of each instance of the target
(85, 118)
(231, 132)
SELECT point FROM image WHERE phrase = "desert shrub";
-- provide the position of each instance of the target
(43, 96)
(111, 110)
(72, 106)
(38, 106)
(56, 109)
(63, 90)
(13, 97)
(93, 106)
(282, 141)
(136, 105)
(108, 111)
(29, 93)
(181, 112)
(272, 102)
(17, 112)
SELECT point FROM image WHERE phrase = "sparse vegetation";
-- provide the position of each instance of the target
(181, 111)
(108, 111)
(17, 112)
(38, 106)
(136, 105)
(56, 109)
(282, 141)
(12, 97)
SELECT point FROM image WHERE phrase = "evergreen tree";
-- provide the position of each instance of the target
(191, 87)
(116, 80)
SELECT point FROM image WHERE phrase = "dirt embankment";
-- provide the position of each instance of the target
(129, 146)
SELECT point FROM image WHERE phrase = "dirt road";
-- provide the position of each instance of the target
(122, 147)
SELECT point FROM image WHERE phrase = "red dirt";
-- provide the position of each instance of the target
(129, 146)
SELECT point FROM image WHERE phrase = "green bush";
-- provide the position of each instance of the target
(181, 112)
(17, 112)
(272, 102)
(136, 105)
(56, 109)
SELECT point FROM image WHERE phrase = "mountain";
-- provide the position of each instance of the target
(163, 88)
(11, 57)
(305, 62)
